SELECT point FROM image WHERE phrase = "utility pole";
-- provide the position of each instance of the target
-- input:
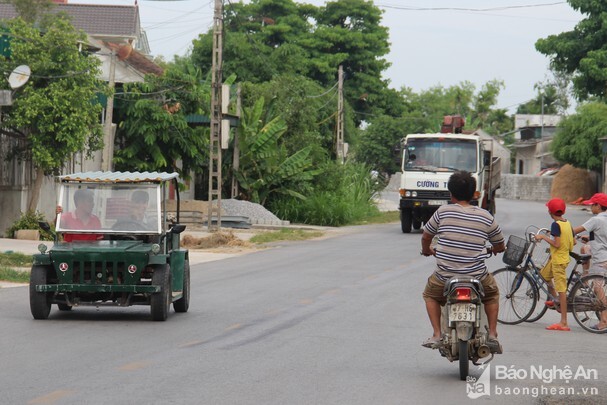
(236, 156)
(216, 117)
(339, 144)
(108, 138)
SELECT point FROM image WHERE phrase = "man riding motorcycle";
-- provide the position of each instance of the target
(462, 230)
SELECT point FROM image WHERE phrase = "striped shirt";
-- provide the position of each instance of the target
(462, 233)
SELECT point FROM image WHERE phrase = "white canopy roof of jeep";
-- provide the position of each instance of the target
(119, 177)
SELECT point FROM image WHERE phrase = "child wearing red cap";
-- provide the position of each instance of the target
(561, 241)
(597, 246)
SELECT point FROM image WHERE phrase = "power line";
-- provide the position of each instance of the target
(326, 92)
(500, 8)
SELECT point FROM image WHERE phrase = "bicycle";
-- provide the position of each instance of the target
(522, 287)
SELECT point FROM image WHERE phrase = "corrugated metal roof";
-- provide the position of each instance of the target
(119, 177)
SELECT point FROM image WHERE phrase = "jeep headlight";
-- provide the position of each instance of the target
(155, 248)
(42, 248)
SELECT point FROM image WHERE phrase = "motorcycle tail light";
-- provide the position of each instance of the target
(463, 294)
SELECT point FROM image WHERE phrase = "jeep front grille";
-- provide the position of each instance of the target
(88, 272)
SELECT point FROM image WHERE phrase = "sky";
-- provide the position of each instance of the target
(433, 42)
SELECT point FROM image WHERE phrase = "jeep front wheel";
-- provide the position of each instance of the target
(40, 302)
(161, 301)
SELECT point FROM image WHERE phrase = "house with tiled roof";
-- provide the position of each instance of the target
(115, 33)
(108, 27)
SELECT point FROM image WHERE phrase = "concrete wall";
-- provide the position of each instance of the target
(525, 187)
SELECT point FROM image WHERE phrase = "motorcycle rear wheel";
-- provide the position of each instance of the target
(464, 364)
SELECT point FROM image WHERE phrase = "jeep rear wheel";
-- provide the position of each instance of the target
(161, 301)
(40, 302)
(183, 303)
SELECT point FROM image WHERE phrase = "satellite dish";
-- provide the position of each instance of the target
(19, 76)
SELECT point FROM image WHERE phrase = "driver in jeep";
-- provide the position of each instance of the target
(136, 219)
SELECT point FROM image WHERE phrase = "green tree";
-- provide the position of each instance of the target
(483, 115)
(266, 38)
(379, 145)
(582, 52)
(153, 133)
(30, 10)
(266, 168)
(578, 138)
(55, 111)
(551, 98)
(425, 110)
(308, 109)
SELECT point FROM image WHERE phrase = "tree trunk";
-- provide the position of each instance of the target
(35, 194)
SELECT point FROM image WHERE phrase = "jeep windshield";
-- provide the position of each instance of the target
(109, 208)
(433, 154)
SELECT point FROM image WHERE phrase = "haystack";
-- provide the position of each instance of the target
(217, 239)
(572, 184)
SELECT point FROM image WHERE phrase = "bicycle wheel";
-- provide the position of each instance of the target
(518, 295)
(542, 297)
(588, 299)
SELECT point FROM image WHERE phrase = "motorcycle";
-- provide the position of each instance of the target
(464, 327)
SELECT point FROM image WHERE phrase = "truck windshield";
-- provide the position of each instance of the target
(443, 154)
(109, 208)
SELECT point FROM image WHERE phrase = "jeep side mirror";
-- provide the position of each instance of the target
(44, 226)
(177, 228)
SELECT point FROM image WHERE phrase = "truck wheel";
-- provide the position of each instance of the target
(161, 301)
(406, 217)
(40, 303)
(417, 224)
(183, 303)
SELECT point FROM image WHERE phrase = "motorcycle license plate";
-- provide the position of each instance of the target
(462, 312)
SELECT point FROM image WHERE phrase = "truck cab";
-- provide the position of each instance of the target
(428, 160)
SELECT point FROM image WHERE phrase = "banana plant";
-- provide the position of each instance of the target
(265, 166)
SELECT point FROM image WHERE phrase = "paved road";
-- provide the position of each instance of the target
(332, 321)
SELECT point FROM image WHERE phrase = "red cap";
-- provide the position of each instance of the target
(556, 206)
(598, 198)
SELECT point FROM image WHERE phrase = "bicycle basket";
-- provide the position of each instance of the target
(515, 250)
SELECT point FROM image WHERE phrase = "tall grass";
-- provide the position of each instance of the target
(344, 195)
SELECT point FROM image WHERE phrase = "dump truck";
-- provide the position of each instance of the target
(428, 160)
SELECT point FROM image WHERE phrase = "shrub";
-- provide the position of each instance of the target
(343, 196)
(30, 220)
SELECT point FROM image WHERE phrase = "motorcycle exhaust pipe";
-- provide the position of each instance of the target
(483, 351)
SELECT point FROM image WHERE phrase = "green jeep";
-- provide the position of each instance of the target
(119, 248)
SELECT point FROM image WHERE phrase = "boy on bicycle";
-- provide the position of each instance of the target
(561, 241)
